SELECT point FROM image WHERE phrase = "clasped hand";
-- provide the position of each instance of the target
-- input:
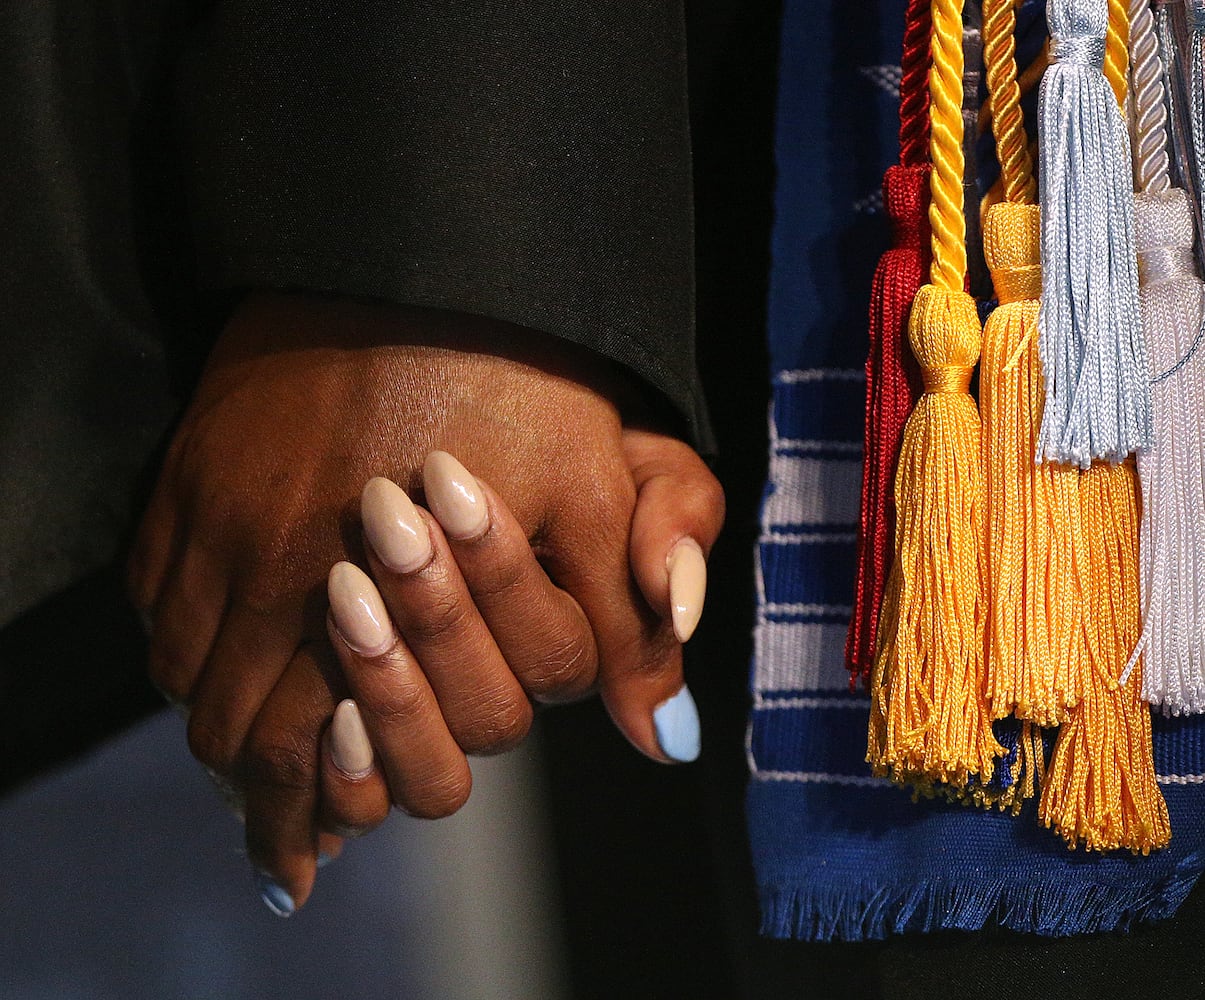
(542, 575)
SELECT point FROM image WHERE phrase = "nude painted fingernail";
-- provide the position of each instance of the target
(360, 614)
(676, 721)
(454, 496)
(687, 586)
(394, 528)
(351, 750)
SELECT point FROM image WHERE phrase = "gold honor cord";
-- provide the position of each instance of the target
(1035, 664)
(930, 725)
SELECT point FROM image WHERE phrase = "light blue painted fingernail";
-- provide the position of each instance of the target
(274, 896)
(676, 721)
(324, 859)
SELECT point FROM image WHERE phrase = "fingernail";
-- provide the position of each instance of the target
(454, 496)
(324, 859)
(360, 614)
(274, 896)
(394, 528)
(687, 586)
(351, 750)
(676, 721)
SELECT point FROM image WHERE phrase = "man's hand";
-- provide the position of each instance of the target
(304, 400)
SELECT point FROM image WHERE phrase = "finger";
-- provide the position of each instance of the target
(424, 766)
(280, 778)
(249, 656)
(330, 848)
(186, 620)
(542, 631)
(586, 546)
(482, 702)
(355, 798)
(640, 676)
(150, 555)
(679, 514)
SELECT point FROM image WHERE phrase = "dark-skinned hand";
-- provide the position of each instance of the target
(303, 401)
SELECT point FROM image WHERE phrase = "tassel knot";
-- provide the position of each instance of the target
(1162, 264)
(1080, 50)
(905, 196)
(1010, 246)
(947, 378)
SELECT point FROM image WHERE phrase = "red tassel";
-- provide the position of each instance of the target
(892, 388)
(892, 376)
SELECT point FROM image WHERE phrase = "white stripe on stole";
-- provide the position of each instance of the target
(795, 376)
(812, 491)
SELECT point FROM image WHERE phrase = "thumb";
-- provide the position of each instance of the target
(678, 514)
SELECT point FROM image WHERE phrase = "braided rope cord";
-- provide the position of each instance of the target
(1151, 167)
(1117, 43)
(946, 219)
(914, 85)
(1004, 100)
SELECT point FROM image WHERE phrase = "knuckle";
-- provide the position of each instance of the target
(504, 726)
(445, 616)
(565, 671)
(441, 797)
(281, 762)
(210, 745)
(703, 503)
(500, 583)
(402, 702)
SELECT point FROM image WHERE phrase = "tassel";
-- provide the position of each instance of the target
(892, 386)
(892, 378)
(1034, 667)
(1101, 788)
(1034, 661)
(1094, 361)
(929, 720)
(1172, 471)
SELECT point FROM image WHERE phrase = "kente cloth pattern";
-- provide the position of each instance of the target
(839, 854)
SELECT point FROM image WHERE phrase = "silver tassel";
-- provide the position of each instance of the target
(1098, 402)
(1172, 471)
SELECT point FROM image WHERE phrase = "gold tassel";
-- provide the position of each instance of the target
(929, 722)
(1101, 789)
(1034, 664)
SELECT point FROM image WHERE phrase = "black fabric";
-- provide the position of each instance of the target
(524, 161)
(85, 394)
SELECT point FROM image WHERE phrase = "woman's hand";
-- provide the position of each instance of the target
(305, 399)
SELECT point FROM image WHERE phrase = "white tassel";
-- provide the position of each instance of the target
(1098, 402)
(1172, 471)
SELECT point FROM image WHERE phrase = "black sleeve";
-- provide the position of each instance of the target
(524, 161)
